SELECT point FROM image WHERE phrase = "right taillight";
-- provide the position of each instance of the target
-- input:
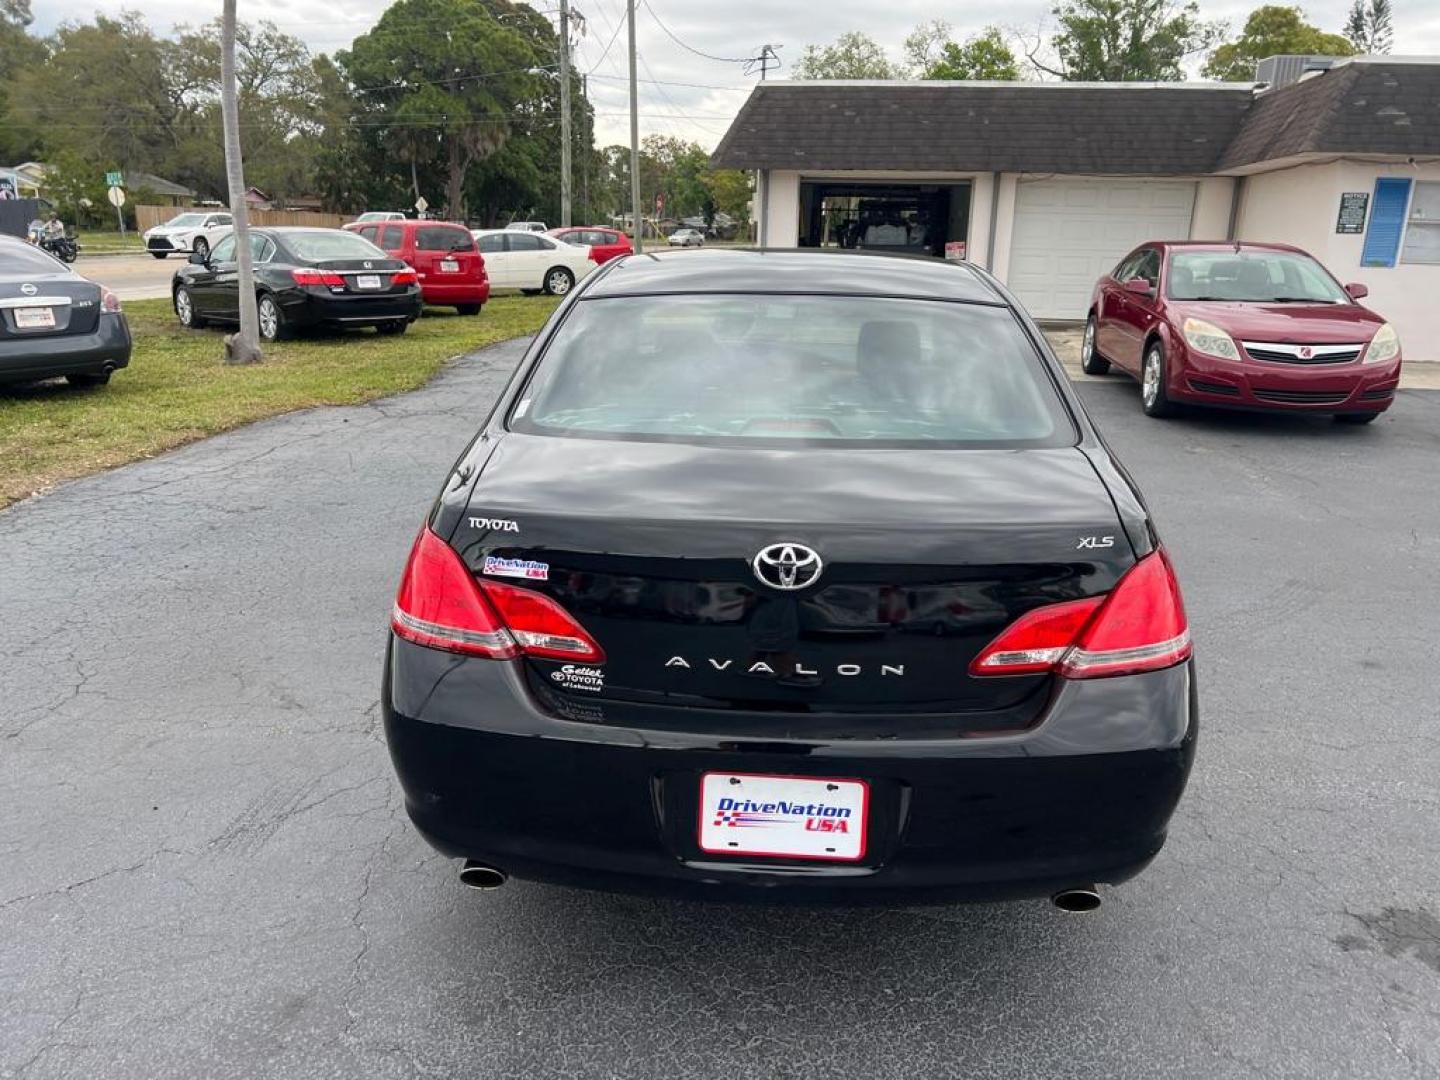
(1138, 626)
(441, 605)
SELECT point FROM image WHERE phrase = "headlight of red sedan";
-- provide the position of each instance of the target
(1385, 345)
(1210, 339)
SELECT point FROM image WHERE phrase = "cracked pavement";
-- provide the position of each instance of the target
(205, 869)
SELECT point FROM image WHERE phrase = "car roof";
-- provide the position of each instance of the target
(1220, 245)
(792, 270)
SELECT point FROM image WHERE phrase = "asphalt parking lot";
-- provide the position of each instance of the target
(205, 869)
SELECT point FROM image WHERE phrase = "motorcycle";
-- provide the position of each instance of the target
(64, 248)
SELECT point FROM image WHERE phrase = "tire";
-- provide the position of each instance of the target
(1355, 417)
(202, 247)
(88, 380)
(1153, 398)
(159, 254)
(558, 281)
(1091, 362)
(272, 319)
(531, 292)
(392, 329)
(184, 305)
(468, 309)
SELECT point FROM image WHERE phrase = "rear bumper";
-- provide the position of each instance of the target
(1281, 387)
(311, 309)
(446, 293)
(1083, 797)
(26, 359)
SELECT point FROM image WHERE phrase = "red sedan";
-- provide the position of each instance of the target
(604, 244)
(1257, 326)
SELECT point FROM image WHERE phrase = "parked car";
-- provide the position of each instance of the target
(55, 322)
(1254, 326)
(604, 244)
(444, 257)
(304, 278)
(381, 215)
(528, 226)
(686, 238)
(624, 651)
(193, 232)
(532, 263)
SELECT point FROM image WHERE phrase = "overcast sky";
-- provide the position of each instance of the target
(702, 109)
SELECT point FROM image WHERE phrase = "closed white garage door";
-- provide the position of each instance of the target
(1069, 232)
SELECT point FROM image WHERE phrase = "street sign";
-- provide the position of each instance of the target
(114, 179)
(116, 195)
(421, 205)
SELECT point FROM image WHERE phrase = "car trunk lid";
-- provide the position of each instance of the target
(937, 551)
(48, 306)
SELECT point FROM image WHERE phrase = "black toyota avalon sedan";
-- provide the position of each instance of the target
(796, 576)
(55, 322)
(304, 278)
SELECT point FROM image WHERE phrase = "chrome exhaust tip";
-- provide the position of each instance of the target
(1077, 900)
(477, 875)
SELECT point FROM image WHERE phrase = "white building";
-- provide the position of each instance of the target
(1049, 184)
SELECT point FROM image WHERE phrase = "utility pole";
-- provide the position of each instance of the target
(565, 147)
(244, 346)
(589, 143)
(634, 135)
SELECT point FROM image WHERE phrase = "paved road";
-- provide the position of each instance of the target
(132, 277)
(204, 869)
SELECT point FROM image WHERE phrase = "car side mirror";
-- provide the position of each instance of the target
(1138, 286)
(1357, 291)
(200, 258)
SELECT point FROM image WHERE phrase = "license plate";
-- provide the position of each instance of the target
(34, 318)
(367, 281)
(792, 816)
(449, 266)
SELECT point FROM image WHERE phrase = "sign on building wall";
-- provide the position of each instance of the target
(955, 250)
(1353, 205)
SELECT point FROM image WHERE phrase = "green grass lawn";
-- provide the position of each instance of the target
(94, 241)
(178, 388)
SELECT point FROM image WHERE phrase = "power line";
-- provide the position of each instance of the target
(690, 48)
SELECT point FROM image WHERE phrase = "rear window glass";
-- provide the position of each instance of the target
(25, 259)
(436, 238)
(819, 370)
(335, 244)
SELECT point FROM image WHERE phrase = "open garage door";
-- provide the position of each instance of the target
(1069, 232)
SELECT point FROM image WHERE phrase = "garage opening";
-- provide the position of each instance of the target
(916, 218)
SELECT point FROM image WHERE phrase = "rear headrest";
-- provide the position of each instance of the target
(889, 341)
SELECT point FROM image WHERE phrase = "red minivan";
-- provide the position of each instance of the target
(449, 265)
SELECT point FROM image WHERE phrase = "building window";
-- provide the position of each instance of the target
(1422, 227)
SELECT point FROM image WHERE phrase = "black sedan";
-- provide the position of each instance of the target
(791, 575)
(55, 322)
(303, 278)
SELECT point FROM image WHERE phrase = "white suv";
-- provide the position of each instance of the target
(193, 231)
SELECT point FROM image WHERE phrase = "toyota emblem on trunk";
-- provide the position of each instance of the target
(787, 566)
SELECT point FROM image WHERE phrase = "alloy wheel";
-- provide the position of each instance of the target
(558, 283)
(184, 309)
(269, 319)
(1150, 379)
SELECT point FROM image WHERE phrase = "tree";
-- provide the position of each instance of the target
(1272, 30)
(1126, 40)
(19, 52)
(451, 81)
(244, 346)
(1368, 26)
(728, 192)
(853, 56)
(984, 56)
(924, 47)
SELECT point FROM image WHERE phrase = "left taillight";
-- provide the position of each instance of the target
(1139, 625)
(441, 605)
(109, 301)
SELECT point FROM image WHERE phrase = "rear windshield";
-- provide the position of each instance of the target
(26, 259)
(820, 370)
(1251, 276)
(332, 245)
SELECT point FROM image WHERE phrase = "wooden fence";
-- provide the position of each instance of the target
(147, 217)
